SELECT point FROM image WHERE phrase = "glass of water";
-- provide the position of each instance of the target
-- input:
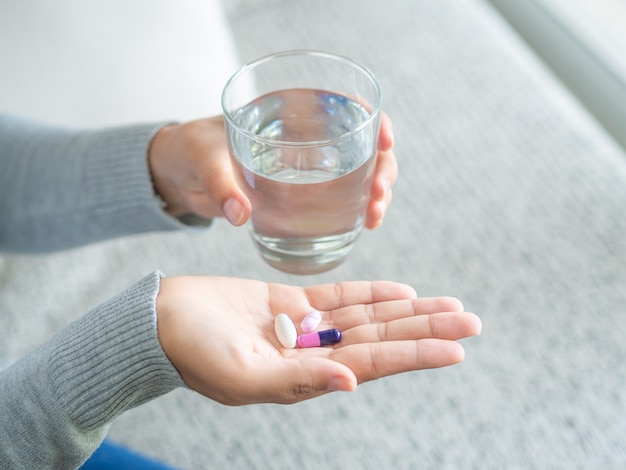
(302, 130)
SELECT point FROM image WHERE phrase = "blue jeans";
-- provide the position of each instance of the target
(114, 456)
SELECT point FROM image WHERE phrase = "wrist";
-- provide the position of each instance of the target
(163, 185)
(111, 360)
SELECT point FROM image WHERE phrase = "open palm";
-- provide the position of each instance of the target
(219, 333)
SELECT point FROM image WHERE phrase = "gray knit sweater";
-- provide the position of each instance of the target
(61, 188)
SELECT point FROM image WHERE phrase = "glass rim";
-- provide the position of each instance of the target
(374, 113)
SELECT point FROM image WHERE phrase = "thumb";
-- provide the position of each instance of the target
(236, 206)
(214, 168)
(329, 375)
(307, 378)
(221, 187)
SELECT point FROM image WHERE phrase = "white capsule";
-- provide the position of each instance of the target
(285, 330)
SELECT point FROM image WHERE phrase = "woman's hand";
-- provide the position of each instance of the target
(219, 334)
(192, 172)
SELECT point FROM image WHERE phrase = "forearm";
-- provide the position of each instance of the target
(61, 188)
(58, 402)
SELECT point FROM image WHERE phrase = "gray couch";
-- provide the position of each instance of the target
(511, 197)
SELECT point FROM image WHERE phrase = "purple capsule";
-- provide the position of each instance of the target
(319, 338)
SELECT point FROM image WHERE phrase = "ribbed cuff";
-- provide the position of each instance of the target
(111, 360)
(117, 183)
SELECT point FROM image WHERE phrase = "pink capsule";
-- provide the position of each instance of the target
(319, 338)
(311, 321)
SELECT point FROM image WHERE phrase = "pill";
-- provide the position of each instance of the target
(311, 321)
(319, 338)
(285, 330)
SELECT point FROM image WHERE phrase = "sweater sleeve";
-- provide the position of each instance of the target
(61, 188)
(57, 402)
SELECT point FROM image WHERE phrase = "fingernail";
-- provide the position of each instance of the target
(311, 321)
(233, 211)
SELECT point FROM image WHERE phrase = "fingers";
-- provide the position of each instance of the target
(381, 193)
(398, 336)
(385, 176)
(297, 301)
(376, 212)
(386, 311)
(371, 361)
(322, 370)
(342, 369)
(385, 137)
(444, 325)
(334, 296)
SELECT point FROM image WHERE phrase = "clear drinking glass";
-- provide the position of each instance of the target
(302, 129)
